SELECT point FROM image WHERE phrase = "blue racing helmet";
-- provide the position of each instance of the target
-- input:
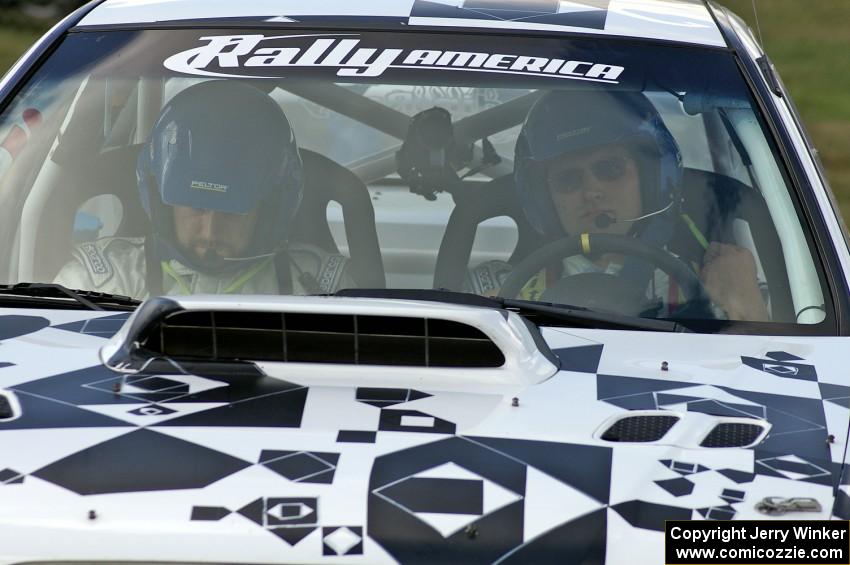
(224, 146)
(563, 122)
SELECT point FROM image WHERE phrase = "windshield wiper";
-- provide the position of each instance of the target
(584, 317)
(537, 312)
(47, 293)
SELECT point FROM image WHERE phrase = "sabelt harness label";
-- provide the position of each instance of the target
(261, 56)
(762, 542)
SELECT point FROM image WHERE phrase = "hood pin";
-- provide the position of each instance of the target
(515, 402)
(664, 365)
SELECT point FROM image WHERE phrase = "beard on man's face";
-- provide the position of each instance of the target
(210, 254)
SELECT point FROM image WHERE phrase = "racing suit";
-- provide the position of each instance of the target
(116, 265)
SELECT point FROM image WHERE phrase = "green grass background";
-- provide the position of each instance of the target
(13, 43)
(808, 41)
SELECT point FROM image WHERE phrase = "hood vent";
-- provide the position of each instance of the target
(322, 338)
(10, 408)
(6, 412)
(734, 434)
(640, 429)
(331, 340)
(689, 430)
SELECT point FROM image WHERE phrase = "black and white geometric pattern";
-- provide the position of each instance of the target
(384, 397)
(447, 497)
(290, 519)
(587, 14)
(301, 466)
(582, 359)
(782, 364)
(576, 13)
(686, 21)
(676, 487)
(683, 468)
(12, 326)
(209, 513)
(442, 476)
(356, 436)
(501, 492)
(105, 327)
(793, 468)
(413, 421)
(342, 540)
(142, 460)
(10, 477)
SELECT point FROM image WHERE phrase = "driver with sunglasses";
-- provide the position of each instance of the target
(604, 162)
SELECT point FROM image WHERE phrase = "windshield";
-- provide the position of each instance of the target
(617, 176)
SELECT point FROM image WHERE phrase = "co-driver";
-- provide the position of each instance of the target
(220, 181)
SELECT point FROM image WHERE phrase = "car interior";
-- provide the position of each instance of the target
(344, 196)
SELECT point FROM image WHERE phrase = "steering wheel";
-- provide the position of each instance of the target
(602, 291)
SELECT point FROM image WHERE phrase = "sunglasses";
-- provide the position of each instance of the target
(568, 181)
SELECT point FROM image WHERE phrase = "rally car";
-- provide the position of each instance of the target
(410, 281)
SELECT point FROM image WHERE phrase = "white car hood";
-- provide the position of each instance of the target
(189, 468)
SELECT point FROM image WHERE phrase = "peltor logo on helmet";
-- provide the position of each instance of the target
(212, 186)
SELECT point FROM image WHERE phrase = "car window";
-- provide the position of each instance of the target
(409, 161)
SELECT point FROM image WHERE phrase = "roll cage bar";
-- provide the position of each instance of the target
(394, 123)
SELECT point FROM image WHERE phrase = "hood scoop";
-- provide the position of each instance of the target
(10, 407)
(690, 430)
(292, 337)
(168, 334)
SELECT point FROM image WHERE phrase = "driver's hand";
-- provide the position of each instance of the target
(729, 276)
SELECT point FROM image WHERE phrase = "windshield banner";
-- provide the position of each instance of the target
(350, 55)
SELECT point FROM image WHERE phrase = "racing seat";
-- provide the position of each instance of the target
(712, 201)
(474, 204)
(326, 181)
(114, 172)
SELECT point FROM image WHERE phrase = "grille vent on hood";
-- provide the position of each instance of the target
(322, 338)
(689, 430)
(640, 429)
(332, 340)
(733, 434)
